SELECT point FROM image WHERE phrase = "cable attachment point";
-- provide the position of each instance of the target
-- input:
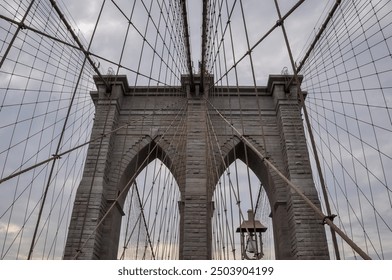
(265, 158)
(56, 156)
(21, 25)
(331, 218)
(279, 22)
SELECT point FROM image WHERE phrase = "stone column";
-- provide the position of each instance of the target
(307, 234)
(85, 236)
(195, 227)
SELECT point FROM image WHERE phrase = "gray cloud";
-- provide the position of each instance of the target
(269, 57)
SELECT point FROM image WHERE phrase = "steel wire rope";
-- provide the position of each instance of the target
(162, 245)
(172, 223)
(167, 177)
(349, 204)
(369, 48)
(128, 222)
(71, 104)
(55, 54)
(21, 23)
(124, 47)
(2, 256)
(354, 181)
(118, 68)
(65, 214)
(222, 232)
(26, 219)
(219, 202)
(374, 133)
(117, 173)
(340, 29)
(236, 193)
(343, 103)
(90, 53)
(261, 121)
(144, 203)
(14, 174)
(223, 196)
(127, 185)
(222, 41)
(176, 154)
(360, 139)
(142, 123)
(38, 152)
(145, 41)
(304, 109)
(14, 127)
(336, 198)
(235, 64)
(218, 233)
(54, 201)
(149, 12)
(345, 191)
(259, 112)
(297, 190)
(223, 31)
(237, 199)
(148, 238)
(162, 220)
(24, 153)
(16, 12)
(68, 142)
(241, 217)
(314, 33)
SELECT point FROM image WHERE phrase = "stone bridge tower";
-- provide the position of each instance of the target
(109, 169)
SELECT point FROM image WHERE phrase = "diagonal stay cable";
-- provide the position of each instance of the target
(129, 182)
(276, 25)
(63, 130)
(313, 143)
(295, 188)
(76, 39)
(20, 27)
(60, 154)
(140, 202)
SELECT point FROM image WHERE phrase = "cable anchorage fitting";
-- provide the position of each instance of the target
(55, 156)
(21, 25)
(331, 218)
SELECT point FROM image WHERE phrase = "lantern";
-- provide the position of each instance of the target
(251, 240)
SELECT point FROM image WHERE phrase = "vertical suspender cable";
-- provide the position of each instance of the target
(20, 26)
(62, 133)
(313, 143)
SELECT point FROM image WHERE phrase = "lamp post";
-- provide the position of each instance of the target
(251, 241)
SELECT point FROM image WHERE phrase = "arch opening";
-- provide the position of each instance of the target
(237, 191)
(150, 222)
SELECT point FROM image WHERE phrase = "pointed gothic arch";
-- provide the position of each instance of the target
(185, 145)
(146, 151)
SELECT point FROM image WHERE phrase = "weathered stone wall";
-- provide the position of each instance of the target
(268, 117)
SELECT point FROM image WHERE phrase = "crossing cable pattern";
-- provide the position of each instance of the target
(221, 46)
(42, 57)
(347, 76)
(46, 114)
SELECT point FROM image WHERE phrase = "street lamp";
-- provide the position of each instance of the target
(251, 242)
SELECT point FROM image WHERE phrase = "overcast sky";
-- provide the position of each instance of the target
(269, 57)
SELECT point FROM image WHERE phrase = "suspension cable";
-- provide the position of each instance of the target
(325, 218)
(299, 92)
